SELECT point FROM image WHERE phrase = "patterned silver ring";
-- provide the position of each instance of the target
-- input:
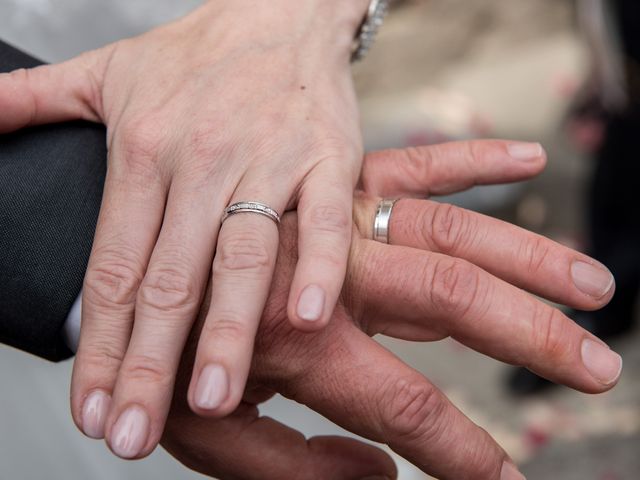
(383, 220)
(251, 207)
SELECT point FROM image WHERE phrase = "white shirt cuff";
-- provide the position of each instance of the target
(71, 330)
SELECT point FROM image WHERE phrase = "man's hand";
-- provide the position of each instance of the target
(448, 272)
(241, 100)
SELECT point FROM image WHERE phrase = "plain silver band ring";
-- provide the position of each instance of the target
(251, 207)
(382, 221)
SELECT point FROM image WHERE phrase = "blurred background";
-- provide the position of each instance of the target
(538, 70)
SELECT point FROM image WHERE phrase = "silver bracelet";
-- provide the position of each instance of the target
(369, 29)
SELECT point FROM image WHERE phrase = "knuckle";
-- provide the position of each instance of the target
(476, 151)
(416, 162)
(330, 258)
(332, 255)
(113, 280)
(243, 252)
(169, 289)
(535, 252)
(207, 140)
(99, 356)
(228, 328)
(146, 368)
(450, 227)
(549, 332)
(415, 410)
(329, 218)
(141, 141)
(454, 287)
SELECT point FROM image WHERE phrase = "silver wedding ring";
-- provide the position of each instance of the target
(251, 207)
(383, 220)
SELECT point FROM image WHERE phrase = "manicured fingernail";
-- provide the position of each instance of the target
(603, 363)
(130, 433)
(212, 388)
(94, 414)
(525, 152)
(311, 303)
(593, 280)
(511, 472)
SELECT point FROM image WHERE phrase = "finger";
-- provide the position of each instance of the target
(431, 295)
(373, 394)
(130, 218)
(518, 256)
(325, 227)
(242, 272)
(450, 167)
(248, 447)
(52, 93)
(167, 303)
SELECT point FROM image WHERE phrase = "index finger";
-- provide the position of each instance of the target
(450, 167)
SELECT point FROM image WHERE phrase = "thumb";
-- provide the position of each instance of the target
(52, 93)
(246, 446)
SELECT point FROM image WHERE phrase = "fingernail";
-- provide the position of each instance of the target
(594, 280)
(94, 414)
(603, 363)
(212, 388)
(525, 152)
(130, 433)
(376, 477)
(311, 303)
(511, 472)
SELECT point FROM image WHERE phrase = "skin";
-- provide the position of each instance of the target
(189, 135)
(434, 285)
(238, 101)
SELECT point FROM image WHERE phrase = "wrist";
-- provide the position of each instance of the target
(332, 22)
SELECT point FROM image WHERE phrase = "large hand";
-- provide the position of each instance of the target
(240, 101)
(449, 272)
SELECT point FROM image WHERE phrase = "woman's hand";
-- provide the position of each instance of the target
(239, 101)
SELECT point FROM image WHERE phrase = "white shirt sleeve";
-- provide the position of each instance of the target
(71, 330)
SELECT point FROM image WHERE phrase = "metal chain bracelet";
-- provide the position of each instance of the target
(369, 29)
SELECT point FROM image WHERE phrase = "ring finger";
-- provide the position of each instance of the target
(242, 271)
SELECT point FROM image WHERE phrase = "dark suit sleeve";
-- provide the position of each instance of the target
(51, 181)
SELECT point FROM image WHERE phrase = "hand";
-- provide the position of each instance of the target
(242, 100)
(448, 272)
